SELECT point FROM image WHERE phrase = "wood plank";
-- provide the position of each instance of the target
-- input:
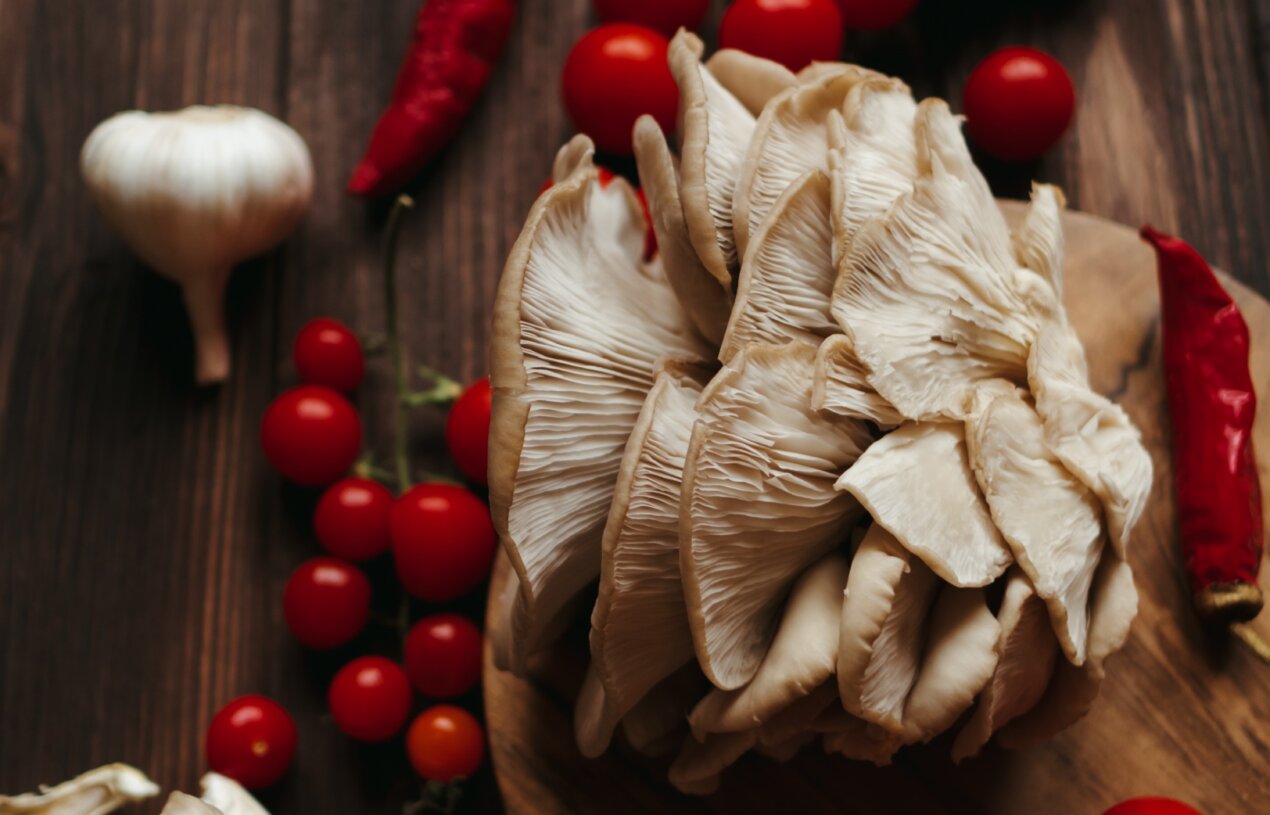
(1181, 714)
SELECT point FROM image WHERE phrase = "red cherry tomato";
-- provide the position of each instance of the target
(351, 519)
(311, 435)
(467, 430)
(442, 541)
(370, 699)
(874, 15)
(443, 655)
(444, 743)
(1018, 102)
(794, 33)
(327, 353)
(1152, 806)
(663, 16)
(613, 75)
(326, 602)
(251, 740)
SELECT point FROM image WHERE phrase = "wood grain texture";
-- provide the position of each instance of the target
(1181, 714)
(144, 542)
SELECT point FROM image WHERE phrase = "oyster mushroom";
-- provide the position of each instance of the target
(708, 300)
(1027, 652)
(1051, 521)
(854, 738)
(657, 725)
(639, 627)
(789, 140)
(1038, 241)
(950, 529)
(759, 505)
(95, 792)
(715, 130)
(787, 277)
(885, 614)
(228, 796)
(801, 658)
(752, 80)
(841, 385)
(801, 715)
(580, 327)
(696, 770)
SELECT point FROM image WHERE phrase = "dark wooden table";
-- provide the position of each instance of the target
(144, 542)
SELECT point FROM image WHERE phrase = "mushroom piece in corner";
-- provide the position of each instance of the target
(639, 627)
(759, 504)
(581, 325)
(95, 792)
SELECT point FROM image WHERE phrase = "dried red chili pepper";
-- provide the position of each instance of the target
(1212, 405)
(451, 56)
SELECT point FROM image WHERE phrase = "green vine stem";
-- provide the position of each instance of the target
(396, 356)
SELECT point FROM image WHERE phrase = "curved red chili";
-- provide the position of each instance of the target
(1212, 405)
(450, 59)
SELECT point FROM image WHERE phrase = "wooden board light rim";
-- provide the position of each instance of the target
(1180, 714)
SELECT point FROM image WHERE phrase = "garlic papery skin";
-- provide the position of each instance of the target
(195, 192)
(96, 792)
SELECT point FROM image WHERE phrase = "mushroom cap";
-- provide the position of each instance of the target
(657, 725)
(789, 140)
(580, 327)
(697, 768)
(639, 627)
(787, 276)
(801, 658)
(927, 292)
(842, 386)
(752, 80)
(708, 300)
(715, 130)
(917, 483)
(801, 714)
(884, 617)
(856, 739)
(1052, 522)
(1026, 655)
(1038, 241)
(758, 505)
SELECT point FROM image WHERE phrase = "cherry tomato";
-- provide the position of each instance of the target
(351, 519)
(326, 602)
(444, 743)
(327, 353)
(663, 16)
(370, 699)
(613, 75)
(467, 430)
(1152, 806)
(1018, 102)
(311, 435)
(442, 541)
(794, 33)
(443, 655)
(251, 740)
(874, 15)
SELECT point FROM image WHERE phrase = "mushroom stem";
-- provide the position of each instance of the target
(205, 303)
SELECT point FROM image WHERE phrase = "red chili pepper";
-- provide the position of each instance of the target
(1212, 405)
(451, 55)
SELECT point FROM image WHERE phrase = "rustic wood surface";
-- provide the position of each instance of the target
(143, 540)
(1182, 713)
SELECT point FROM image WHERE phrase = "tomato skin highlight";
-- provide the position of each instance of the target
(1152, 805)
(443, 655)
(351, 519)
(251, 740)
(663, 16)
(327, 352)
(874, 15)
(467, 431)
(442, 541)
(311, 435)
(370, 699)
(613, 75)
(1018, 103)
(445, 743)
(326, 602)
(794, 33)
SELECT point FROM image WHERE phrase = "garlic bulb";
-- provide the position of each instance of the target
(96, 792)
(194, 192)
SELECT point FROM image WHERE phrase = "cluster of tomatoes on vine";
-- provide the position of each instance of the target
(441, 541)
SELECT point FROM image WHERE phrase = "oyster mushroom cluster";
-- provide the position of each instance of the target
(832, 454)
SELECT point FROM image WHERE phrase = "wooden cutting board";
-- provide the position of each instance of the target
(1184, 713)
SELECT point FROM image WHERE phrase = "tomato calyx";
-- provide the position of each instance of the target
(438, 796)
